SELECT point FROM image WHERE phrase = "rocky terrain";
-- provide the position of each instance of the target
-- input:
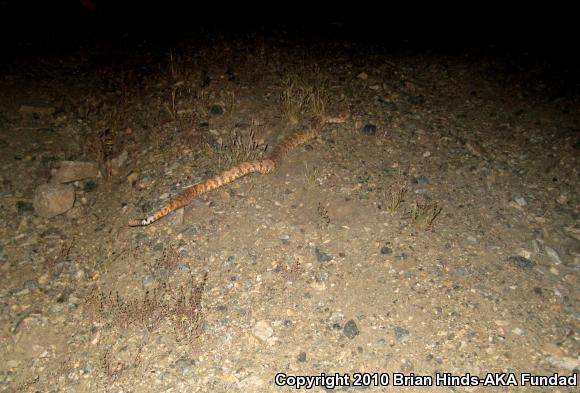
(436, 231)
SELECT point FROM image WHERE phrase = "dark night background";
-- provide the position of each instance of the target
(540, 36)
(543, 29)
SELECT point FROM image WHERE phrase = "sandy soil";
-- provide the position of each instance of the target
(313, 269)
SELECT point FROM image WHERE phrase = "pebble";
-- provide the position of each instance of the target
(386, 250)
(183, 268)
(563, 199)
(521, 262)
(517, 331)
(369, 129)
(118, 162)
(250, 383)
(472, 239)
(148, 280)
(12, 363)
(53, 199)
(24, 207)
(31, 285)
(216, 109)
(566, 362)
(263, 330)
(301, 358)
(322, 256)
(553, 254)
(363, 76)
(521, 201)
(132, 179)
(90, 186)
(401, 334)
(350, 329)
(185, 366)
(407, 366)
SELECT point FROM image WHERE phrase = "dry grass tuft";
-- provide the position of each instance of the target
(179, 307)
(424, 214)
(239, 147)
(299, 97)
(394, 196)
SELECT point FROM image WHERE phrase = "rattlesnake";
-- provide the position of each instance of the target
(262, 166)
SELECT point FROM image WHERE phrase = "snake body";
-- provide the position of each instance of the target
(266, 165)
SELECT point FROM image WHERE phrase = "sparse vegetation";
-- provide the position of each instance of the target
(424, 214)
(293, 101)
(311, 175)
(394, 196)
(180, 307)
(299, 97)
(239, 147)
(162, 268)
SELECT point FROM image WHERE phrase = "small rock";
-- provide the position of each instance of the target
(363, 76)
(53, 199)
(176, 218)
(183, 267)
(322, 256)
(132, 179)
(148, 281)
(563, 199)
(44, 279)
(386, 250)
(401, 334)
(12, 363)
(369, 129)
(350, 329)
(24, 207)
(118, 162)
(573, 232)
(80, 275)
(566, 362)
(472, 239)
(263, 330)
(90, 186)
(407, 366)
(477, 150)
(553, 254)
(521, 262)
(70, 171)
(250, 383)
(216, 109)
(185, 366)
(521, 201)
(537, 247)
(301, 357)
(525, 253)
(517, 331)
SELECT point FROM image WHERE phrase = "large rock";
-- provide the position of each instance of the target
(70, 171)
(53, 199)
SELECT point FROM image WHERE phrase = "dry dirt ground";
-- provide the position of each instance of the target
(436, 231)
